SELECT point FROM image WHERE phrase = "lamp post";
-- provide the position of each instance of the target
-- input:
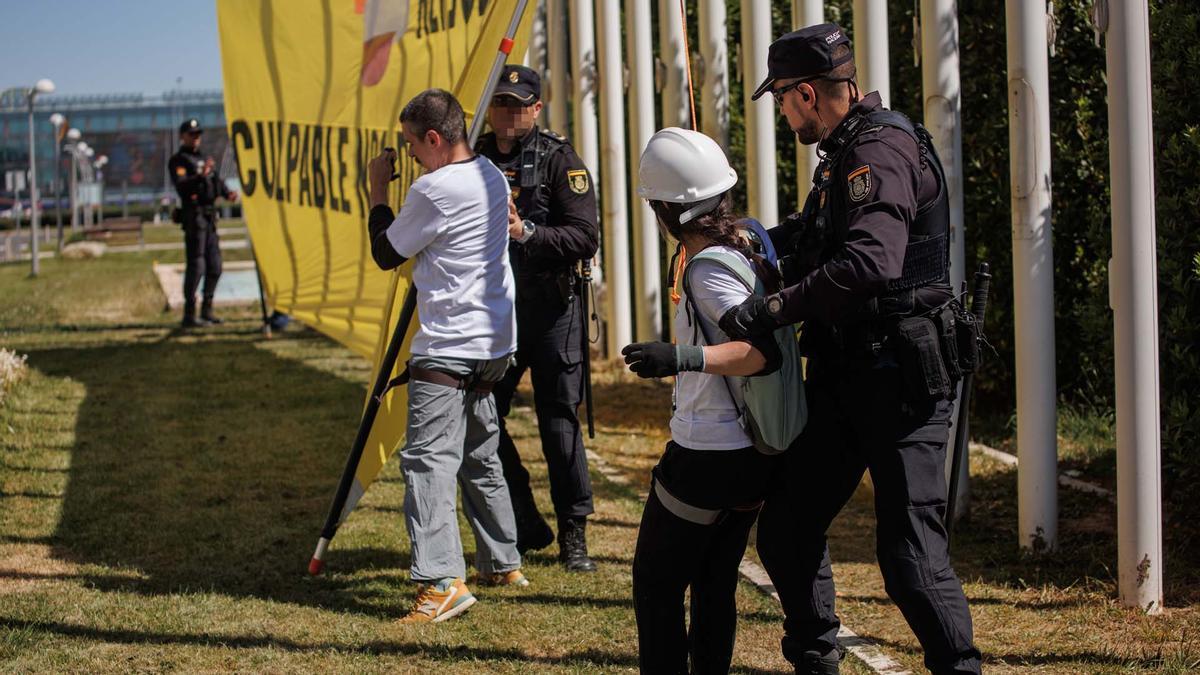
(43, 86)
(73, 147)
(57, 120)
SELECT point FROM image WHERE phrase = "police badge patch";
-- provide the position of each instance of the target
(578, 181)
(859, 182)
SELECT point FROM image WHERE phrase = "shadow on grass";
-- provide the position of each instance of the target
(589, 657)
(208, 465)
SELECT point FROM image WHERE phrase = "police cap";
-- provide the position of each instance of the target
(191, 126)
(806, 53)
(521, 83)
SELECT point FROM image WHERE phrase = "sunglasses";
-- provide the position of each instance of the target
(778, 93)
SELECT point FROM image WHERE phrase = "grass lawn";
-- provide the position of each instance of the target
(160, 494)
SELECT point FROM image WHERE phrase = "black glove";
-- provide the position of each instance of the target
(662, 359)
(748, 320)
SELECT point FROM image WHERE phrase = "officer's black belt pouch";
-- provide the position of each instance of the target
(966, 335)
(918, 348)
(946, 324)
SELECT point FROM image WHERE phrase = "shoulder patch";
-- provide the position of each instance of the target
(859, 183)
(180, 171)
(578, 180)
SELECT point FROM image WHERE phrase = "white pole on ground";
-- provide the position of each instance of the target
(943, 119)
(871, 47)
(805, 13)
(1033, 272)
(714, 84)
(762, 195)
(676, 106)
(556, 47)
(35, 217)
(648, 305)
(1134, 298)
(535, 53)
(613, 194)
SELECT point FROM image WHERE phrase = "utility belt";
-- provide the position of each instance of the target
(562, 283)
(934, 349)
(461, 382)
(694, 514)
(180, 215)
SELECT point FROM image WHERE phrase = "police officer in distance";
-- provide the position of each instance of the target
(867, 272)
(198, 184)
(555, 229)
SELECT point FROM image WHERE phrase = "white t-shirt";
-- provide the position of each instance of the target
(705, 417)
(454, 227)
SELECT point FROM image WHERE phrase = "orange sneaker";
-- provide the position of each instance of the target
(510, 578)
(438, 602)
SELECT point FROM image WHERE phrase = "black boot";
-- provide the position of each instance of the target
(813, 663)
(532, 531)
(206, 312)
(572, 545)
(189, 317)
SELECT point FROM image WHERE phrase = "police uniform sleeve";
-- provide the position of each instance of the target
(187, 183)
(572, 233)
(879, 184)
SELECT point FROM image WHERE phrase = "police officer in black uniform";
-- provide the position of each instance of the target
(198, 184)
(555, 233)
(867, 274)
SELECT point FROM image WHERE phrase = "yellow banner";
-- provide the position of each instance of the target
(313, 90)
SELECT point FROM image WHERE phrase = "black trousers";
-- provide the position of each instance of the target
(203, 252)
(550, 347)
(674, 555)
(858, 421)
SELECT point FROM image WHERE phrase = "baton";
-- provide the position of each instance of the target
(585, 287)
(979, 301)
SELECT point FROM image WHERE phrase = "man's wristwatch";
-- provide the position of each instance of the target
(527, 229)
(774, 306)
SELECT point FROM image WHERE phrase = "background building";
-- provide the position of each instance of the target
(137, 132)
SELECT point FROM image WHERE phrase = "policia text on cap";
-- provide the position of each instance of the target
(866, 269)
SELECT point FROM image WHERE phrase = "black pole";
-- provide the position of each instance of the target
(983, 282)
(364, 428)
(262, 298)
(585, 287)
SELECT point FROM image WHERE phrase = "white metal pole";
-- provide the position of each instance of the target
(714, 84)
(35, 216)
(1134, 299)
(648, 295)
(805, 13)
(943, 119)
(556, 46)
(760, 115)
(1033, 272)
(613, 194)
(74, 186)
(535, 53)
(583, 75)
(676, 106)
(871, 47)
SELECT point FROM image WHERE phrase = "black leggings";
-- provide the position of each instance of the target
(674, 554)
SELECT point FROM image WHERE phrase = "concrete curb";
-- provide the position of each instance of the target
(1063, 480)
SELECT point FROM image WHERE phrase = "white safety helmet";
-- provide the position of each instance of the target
(681, 166)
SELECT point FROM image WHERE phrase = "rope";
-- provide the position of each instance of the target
(681, 258)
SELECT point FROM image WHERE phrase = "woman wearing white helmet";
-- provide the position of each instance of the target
(710, 481)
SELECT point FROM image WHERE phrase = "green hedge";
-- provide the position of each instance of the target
(1081, 218)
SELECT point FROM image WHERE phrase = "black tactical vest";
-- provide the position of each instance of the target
(925, 280)
(526, 173)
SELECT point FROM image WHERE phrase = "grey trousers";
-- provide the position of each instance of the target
(453, 435)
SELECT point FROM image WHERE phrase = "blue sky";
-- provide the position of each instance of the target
(110, 46)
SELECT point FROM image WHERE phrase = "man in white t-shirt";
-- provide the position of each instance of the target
(454, 227)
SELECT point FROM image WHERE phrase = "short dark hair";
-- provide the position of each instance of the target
(832, 83)
(436, 109)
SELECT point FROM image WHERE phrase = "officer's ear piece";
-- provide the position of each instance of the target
(804, 95)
